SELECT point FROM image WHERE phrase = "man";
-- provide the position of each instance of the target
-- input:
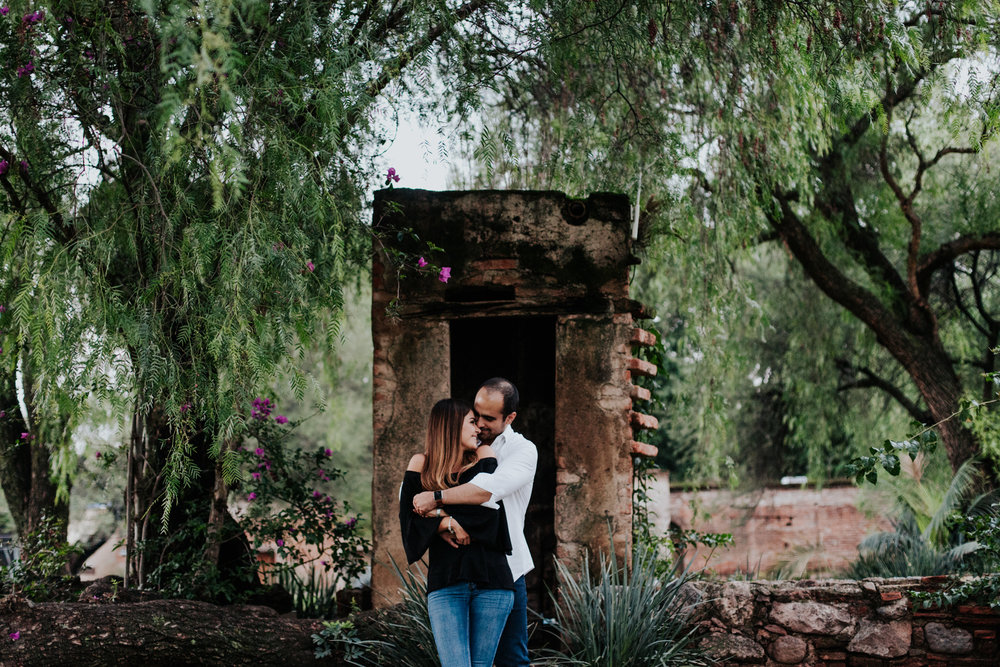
(496, 407)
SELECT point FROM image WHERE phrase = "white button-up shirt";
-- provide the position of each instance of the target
(511, 483)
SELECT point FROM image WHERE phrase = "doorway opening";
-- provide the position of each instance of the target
(523, 350)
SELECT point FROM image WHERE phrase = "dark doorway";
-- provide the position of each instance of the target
(523, 350)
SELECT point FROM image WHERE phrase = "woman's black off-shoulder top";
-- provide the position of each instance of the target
(483, 562)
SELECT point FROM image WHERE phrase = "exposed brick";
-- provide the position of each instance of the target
(832, 655)
(889, 596)
(641, 367)
(639, 393)
(985, 634)
(642, 337)
(494, 265)
(644, 449)
(975, 609)
(647, 422)
(935, 579)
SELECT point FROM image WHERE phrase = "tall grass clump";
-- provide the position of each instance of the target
(624, 617)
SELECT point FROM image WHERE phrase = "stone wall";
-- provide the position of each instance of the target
(868, 623)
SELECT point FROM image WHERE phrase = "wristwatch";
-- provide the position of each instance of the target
(438, 499)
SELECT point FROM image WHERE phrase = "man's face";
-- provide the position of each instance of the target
(489, 415)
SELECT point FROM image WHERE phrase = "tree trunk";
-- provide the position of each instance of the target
(157, 632)
(25, 466)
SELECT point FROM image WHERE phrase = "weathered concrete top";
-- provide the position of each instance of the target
(544, 251)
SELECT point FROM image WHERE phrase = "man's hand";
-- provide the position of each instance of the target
(423, 503)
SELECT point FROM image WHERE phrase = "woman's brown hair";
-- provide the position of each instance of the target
(443, 451)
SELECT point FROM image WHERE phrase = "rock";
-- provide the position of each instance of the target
(788, 650)
(885, 640)
(735, 605)
(813, 618)
(895, 611)
(733, 648)
(942, 639)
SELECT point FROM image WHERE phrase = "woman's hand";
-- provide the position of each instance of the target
(453, 533)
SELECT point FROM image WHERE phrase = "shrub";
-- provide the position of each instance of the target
(623, 618)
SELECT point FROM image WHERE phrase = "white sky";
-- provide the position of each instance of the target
(414, 155)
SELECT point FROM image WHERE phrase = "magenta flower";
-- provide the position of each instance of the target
(24, 165)
(3, 163)
(281, 419)
(310, 266)
(350, 523)
(316, 494)
(421, 262)
(3, 413)
(97, 455)
(255, 475)
(14, 636)
(391, 176)
(280, 542)
(252, 496)
(445, 274)
(4, 10)
(25, 436)
(259, 451)
(261, 408)
(328, 451)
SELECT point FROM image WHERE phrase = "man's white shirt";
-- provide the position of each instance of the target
(511, 483)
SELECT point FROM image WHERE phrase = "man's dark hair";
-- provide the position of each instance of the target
(505, 388)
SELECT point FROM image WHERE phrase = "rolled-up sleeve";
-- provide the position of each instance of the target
(514, 472)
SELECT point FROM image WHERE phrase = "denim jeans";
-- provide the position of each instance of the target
(467, 621)
(513, 648)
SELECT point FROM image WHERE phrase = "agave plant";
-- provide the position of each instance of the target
(923, 541)
(622, 617)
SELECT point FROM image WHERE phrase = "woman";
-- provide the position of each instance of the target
(469, 587)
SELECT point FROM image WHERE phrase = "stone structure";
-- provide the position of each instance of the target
(868, 623)
(820, 528)
(538, 294)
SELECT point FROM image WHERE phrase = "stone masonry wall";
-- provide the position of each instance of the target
(867, 623)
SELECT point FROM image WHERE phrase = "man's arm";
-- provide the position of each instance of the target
(514, 472)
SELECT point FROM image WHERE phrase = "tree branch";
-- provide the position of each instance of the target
(948, 252)
(871, 380)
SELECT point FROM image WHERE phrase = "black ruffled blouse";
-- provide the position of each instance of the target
(483, 562)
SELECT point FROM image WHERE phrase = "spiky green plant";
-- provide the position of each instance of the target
(623, 617)
(923, 541)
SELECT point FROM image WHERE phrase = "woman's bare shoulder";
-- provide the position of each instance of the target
(485, 452)
(416, 463)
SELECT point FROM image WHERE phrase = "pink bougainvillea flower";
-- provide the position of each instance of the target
(310, 266)
(421, 262)
(259, 451)
(391, 176)
(252, 496)
(3, 163)
(4, 10)
(185, 407)
(350, 523)
(281, 419)
(24, 165)
(255, 475)
(97, 455)
(25, 436)
(14, 636)
(328, 451)
(3, 413)
(445, 274)
(316, 494)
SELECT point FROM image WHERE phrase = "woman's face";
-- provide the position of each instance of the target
(470, 432)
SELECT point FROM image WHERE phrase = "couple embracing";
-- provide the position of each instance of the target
(464, 499)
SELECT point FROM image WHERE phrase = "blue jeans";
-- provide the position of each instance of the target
(513, 648)
(467, 621)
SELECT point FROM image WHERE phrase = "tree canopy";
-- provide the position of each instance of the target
(856, 139)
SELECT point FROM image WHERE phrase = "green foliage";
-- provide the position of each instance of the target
(620, 617)
(288, 505)
(42, 572)
(341, 634)
(984, 587)
(313, 595)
